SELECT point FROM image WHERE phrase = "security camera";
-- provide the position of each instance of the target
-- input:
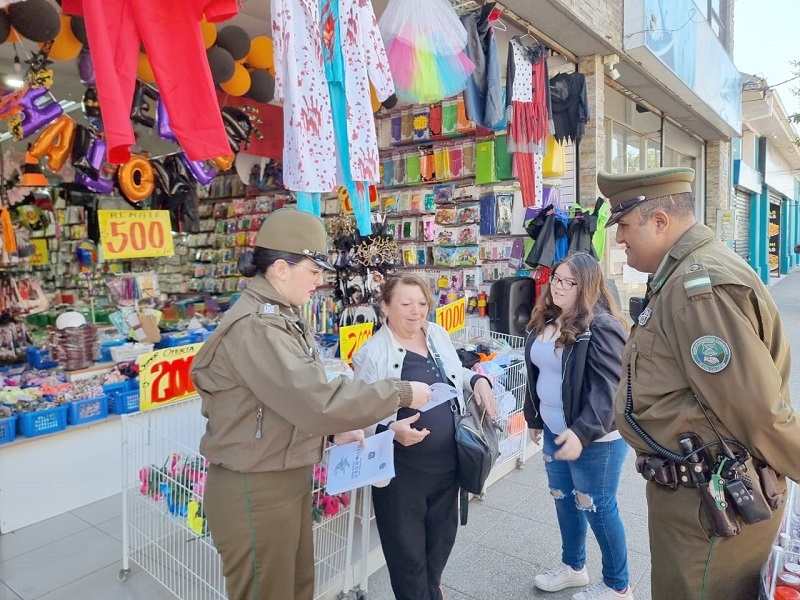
(613, 73)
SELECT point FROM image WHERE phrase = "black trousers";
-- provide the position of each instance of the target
(417, 517)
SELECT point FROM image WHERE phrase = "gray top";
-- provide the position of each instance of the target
(548, 384)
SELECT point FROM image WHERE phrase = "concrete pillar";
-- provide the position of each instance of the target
(592, 153)
(718, 179)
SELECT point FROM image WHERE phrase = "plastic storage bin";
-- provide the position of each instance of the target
(124, 402)
(88, 410)
(39, 358)
(112, 388)
(105, 349)
(8, 429)
(42, 422)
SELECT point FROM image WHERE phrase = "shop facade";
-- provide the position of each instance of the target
(667, 95)
(766, 177)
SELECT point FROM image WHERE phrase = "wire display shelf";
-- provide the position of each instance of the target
(164, 529)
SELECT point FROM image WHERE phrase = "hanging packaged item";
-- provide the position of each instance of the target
(436, 120)
(412, 167)
(484, 162)
(450, 117)
(468, 158)
(555, 159)
(427, 165)
(422, 122)
(426, 50)
(503, 159)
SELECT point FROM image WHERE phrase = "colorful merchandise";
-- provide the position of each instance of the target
(484, 92)
(171, 34)
(309, 153)
(426, 45)
(527, 112)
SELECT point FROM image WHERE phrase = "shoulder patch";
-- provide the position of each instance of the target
(696, 281)
(711, 353)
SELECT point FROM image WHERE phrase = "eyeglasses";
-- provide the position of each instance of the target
(316, 272)
(565, 284)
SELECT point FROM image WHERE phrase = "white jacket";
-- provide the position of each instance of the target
(382, 356)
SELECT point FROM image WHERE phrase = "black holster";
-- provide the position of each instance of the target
(710, 487)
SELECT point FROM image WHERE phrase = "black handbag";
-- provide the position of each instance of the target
(476, 443)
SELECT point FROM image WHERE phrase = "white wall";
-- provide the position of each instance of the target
(779, 172)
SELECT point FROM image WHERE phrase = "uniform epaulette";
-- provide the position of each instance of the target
(696, 281)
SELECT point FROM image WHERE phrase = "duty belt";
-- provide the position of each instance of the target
(663, 471)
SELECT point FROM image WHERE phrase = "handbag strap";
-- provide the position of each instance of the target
(438, 360)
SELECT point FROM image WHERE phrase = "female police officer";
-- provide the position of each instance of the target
(268, 405)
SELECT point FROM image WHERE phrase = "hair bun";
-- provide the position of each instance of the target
(246, 264)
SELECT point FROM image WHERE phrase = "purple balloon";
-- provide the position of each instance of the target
(97, 182)
(86, 68)
(39, 109)
(162, 118)
(201, 169)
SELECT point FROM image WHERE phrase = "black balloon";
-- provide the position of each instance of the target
(5, 26)
(262, 86)
(80, 148)
(235, 40)
(144, 106)
(36, 20)
(390, 102)
(78, 26)
(221, 64)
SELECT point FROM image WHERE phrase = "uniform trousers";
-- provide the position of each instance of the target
(689, 563)
(261, 526)
(417, 517)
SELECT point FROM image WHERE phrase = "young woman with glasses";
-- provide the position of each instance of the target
(573, 354)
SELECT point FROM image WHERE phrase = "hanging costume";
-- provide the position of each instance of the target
(426, 46)
(483, 96)
(317, 119)
(528, 113)
(171, 35)
(570, 106)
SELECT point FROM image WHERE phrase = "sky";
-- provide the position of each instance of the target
(766, 37)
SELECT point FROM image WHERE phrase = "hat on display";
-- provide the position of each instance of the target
(626, 191)
(32, 175)
(295, 231)
(245, 163)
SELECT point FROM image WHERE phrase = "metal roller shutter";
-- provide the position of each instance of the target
(742, 206)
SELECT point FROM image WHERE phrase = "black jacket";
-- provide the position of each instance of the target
(591, 370)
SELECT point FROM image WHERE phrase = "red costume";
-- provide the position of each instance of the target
(170, 30)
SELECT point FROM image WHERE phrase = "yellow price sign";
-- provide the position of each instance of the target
(135, 233)
(352, 337)
(452, 316)
(164, 376)
(42, 256)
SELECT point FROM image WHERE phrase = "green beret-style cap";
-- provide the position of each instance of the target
(295, 231)
(626, 191)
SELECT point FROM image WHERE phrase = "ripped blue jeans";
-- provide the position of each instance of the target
(585, 493)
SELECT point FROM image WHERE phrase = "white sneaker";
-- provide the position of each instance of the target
(560, 577)
(602, 592)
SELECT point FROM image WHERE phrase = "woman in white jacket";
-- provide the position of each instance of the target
(417, 513)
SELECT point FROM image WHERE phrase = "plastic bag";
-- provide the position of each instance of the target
(555, 159)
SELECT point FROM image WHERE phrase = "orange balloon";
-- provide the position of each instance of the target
(55, 142)
(66, 46)
(261, 53)
(209, 31)
(136, 178)
(239, 83)
(225, 162)
(14, 36)
(143, 70)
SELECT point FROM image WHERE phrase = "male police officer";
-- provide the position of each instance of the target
(707, 359)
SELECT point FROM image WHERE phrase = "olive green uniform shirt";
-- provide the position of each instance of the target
(711, 328)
